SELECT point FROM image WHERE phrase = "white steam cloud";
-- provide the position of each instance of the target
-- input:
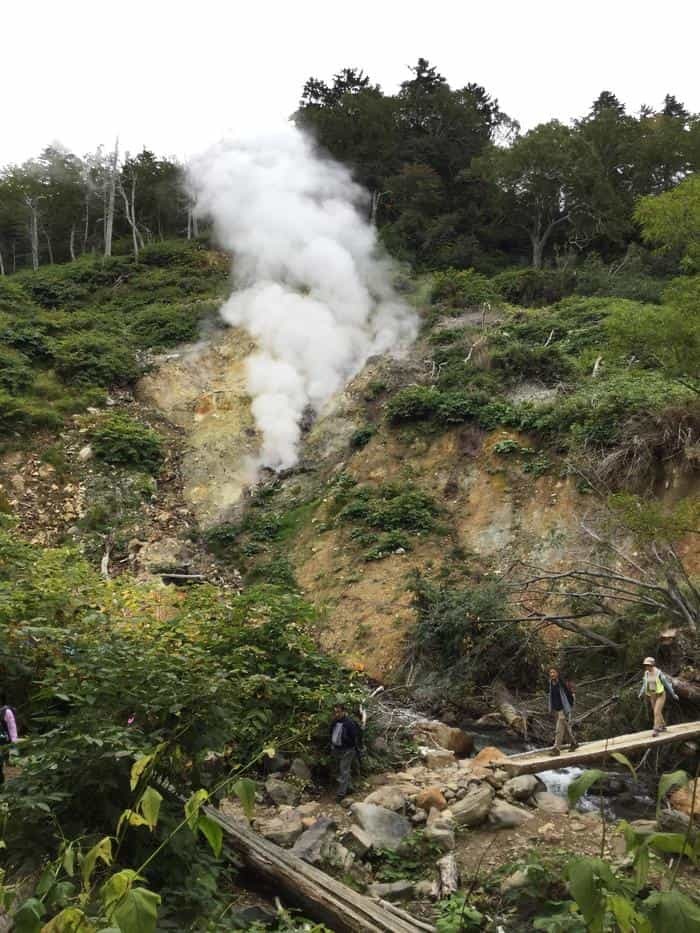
(313, 288)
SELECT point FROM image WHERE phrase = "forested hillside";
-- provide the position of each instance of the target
(517, 488)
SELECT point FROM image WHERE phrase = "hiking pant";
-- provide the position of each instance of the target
(657, 702)
(345, 758)
(563, 729)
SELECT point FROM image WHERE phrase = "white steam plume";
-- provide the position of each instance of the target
(313, 288)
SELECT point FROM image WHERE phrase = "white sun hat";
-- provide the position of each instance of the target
(649, 661)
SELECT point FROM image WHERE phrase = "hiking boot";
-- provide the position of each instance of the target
(573, 746)
(554, 752)
(655, 731)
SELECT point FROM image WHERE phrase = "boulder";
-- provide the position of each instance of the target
(357, 841)
(440, 829)
(423, 889)
(388, 796)
(336, 855)
(393, 891)
(473, 808)
(449, 737)
(85, 453)
(437, 758)
(282, 792)
(385, 828)
(522, 787)
(300, 770)
(504, 815)
(681, 800)
(431, 797)
(550, 803)
(284, 830)
(488, 755)
(310, 844)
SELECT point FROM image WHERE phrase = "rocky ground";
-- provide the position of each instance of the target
(401, 832)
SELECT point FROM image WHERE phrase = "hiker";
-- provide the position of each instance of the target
(8, 735)
(345, 747)
(655, 686)
(561, 702)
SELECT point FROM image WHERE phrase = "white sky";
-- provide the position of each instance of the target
(176, 76)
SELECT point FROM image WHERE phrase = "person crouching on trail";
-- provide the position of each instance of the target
(345, 746)
(655, 686)
(561, 703)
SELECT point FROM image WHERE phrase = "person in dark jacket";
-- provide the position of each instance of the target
(345, 735)
(561, 703)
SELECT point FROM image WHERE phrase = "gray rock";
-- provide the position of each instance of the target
(551, 803)
(504, 815)
(283, 830)
(673, 821)
(394, 891)
(423, 889)
(282, 792)
(299, 769)
(385, 828)
(388, 796)
(522, 787)
(473, 808)
(517, 880)
(336, 855)
(245, 917)
(310, 844)
(357, 841)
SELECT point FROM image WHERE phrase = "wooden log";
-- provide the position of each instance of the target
(320, 897)
(448, 876)
(506, 707)
(686, 689)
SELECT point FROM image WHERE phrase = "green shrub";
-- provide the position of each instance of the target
(14, 299)
(518, 360)
(424, 403)
(120, 441)
(21, 414)
(362, 437)
(95, 358)
(165, 325)
(622, 280)
(462, 288)
(531, 287)
(415, 403)
(15, 372)
(388, 508)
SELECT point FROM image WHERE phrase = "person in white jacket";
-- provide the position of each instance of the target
(655, 686)
(8, 735)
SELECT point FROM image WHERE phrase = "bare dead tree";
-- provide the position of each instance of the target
(2, 264)
(110, 189)
(32, 204)
(130, 205)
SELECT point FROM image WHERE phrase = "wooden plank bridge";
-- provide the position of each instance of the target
(542, 760)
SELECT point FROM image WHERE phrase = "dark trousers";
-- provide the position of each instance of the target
(344, 758)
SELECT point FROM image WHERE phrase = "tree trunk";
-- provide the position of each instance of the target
(71, 244)
(49, 248)
(111, 189)
(86, 227)
(506, 707)
(319, 895)
(195, 224)
(33, 233)
(537, 251)
(2, 264)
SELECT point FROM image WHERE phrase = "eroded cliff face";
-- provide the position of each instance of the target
(495, 513)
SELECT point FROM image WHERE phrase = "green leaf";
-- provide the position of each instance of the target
(28, 918)
(245, 789)
(586, 876)
(70, 920)
(641, 866)
(116, 886)
(149, 805)
(132, 818)
(212, 832)
(193, 806)
(673, 912)
(270, 751)
(138, 767)
(102, 851)
(629, 920)
(138, 911)
(671, 842)
(581, 784)
(624, 760)
(668, 782)
(69, 860)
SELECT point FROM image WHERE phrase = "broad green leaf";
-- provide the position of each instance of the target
(150, 805)
(624, 760)
(102, 851)
(270, 751)
(585, 876)
(69, 860)
(673, 912)
(47, 879)
(132, 818)
(245, 789)
(138, 767)
(641, 866)
(628, 919)
(671, 842)
(670, 781)
(116, 886)
(212, 832)
(581, 784)
(28, 918)
(138, 911)
(70, 920)
(193, 806)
